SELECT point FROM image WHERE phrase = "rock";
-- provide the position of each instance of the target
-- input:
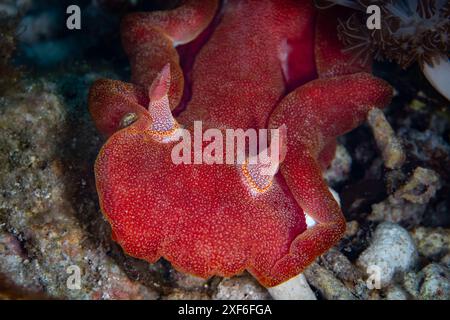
(340, 167)
(15, 266)
(411, 283)
(179, 294)
(421, 187)
(427, 146)
(40, 207)
(188, 282)
(339, 264)
(432, 243)
(391, 148)
(436, 283)
(398, 211)
(360, 290)
(446, 260)
(296, 288)
(9, 74)
(392, 250)
(408, 203)
(328, 285)
(395, 292)
(351, 228)
(431, 283)
(345, 271)
(240, 288)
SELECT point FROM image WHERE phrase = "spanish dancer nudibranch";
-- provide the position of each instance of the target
(237, 64)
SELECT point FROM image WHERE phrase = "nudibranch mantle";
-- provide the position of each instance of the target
(237, 64)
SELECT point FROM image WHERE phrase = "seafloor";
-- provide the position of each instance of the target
(397, 218)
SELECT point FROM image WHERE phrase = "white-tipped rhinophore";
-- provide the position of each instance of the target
(159, 109)
(261, 168)
(439, 75)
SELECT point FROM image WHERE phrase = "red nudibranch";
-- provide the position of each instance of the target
(237, 64)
